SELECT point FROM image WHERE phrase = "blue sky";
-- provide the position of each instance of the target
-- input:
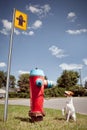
(55, 40)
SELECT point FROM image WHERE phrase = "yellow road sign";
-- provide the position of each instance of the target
(20, 20)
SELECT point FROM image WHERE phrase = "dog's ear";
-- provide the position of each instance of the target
(68, 93)
(71, 93)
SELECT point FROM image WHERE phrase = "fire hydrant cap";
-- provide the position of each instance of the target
(36, 72)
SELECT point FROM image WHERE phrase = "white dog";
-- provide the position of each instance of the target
(69, 109)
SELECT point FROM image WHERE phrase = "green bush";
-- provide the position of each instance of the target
(78, 91)
(12, 94)
(85, 94)
(18, 95)
(59, 91)
(23, 95)
(54, 92)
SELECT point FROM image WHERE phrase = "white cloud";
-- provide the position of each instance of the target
(59, 53)
(2, 64)
(71, 16)
(65, 66)
(6, 24)
(30, 33)
(23, 72)
(37, 24)
(75, 32)
(85, 61)
(46, 8)
(40, 11)
(4, 31)
(7, 28)
(33, 9)
(16, 32)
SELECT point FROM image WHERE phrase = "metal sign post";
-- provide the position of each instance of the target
(8, 69)
(19, 21)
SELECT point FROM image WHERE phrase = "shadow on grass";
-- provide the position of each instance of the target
(63, 119)
(1, 120)
(60, 118)
(24, 119)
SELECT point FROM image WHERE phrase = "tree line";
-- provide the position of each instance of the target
(67, 81)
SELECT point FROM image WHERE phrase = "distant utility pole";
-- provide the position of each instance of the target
(80, 77)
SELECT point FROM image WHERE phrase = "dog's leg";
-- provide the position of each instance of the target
(74, 117)
(63, 112)
(68, 116)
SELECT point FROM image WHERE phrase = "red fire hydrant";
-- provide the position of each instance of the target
(37, 85)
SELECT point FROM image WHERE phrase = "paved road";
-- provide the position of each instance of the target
(80, 103)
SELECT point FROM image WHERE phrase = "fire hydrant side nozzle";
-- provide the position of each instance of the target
(39, 82)
(50, 84)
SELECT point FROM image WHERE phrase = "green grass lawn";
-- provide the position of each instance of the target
(18, 119)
